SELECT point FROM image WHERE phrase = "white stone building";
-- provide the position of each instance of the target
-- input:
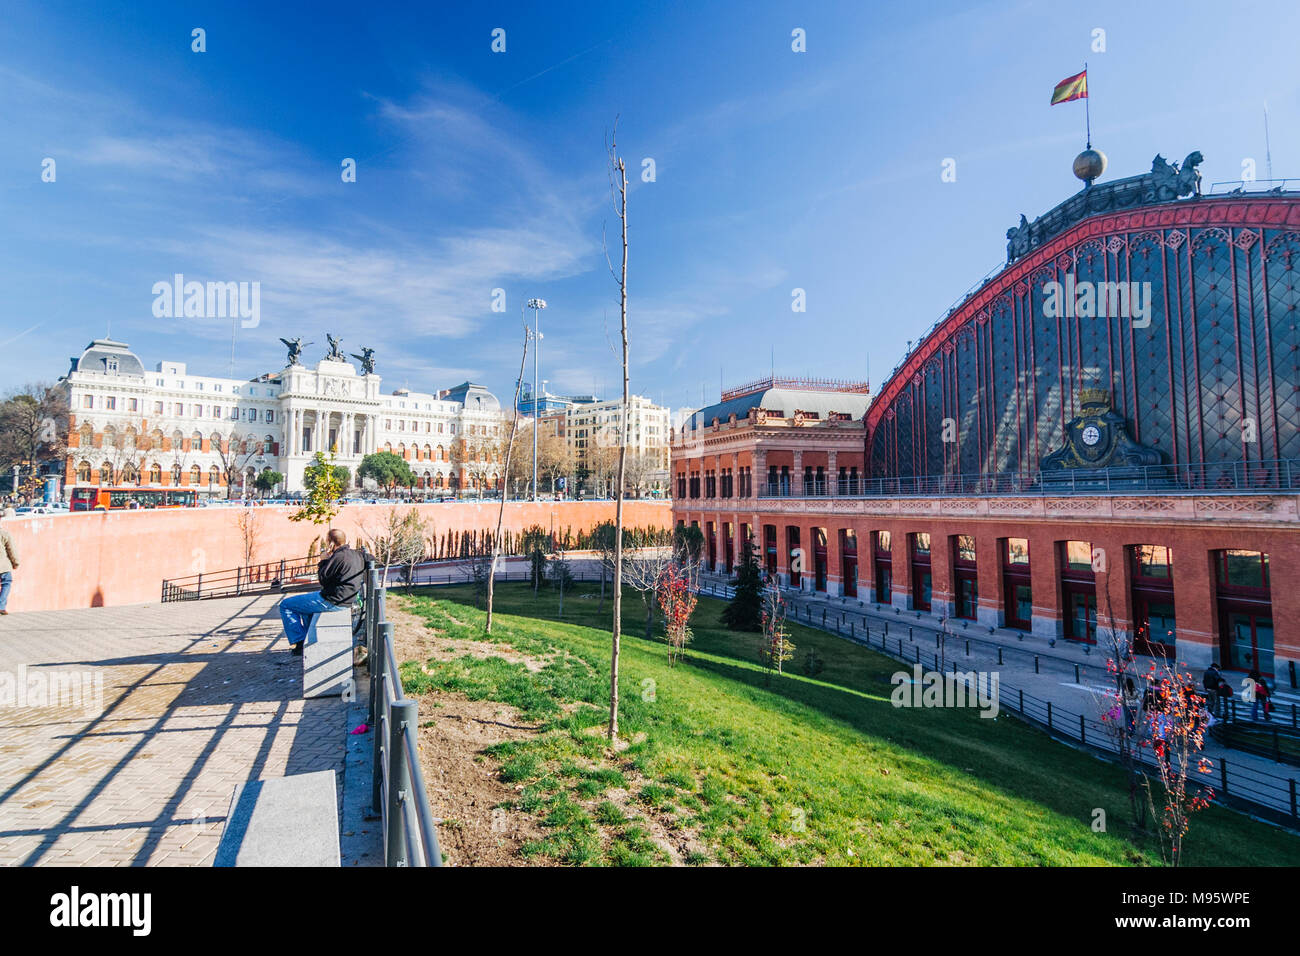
(173, 428)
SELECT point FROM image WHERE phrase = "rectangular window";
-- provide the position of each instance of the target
(966, 548)
(110, 403)
(1248, 569)
(1153, 561)
(1078, 555)
(157, 408)
(87, 401)
(1018, 551)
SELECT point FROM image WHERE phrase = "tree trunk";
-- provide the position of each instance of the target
(621, 170)
(501, 509)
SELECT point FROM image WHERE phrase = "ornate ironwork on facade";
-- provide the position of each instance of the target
(1207, 371)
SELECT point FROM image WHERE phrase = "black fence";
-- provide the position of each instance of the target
(399, 797)
(1236, 784)
(273, 577)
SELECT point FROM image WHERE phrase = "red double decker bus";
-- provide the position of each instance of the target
(123, 499)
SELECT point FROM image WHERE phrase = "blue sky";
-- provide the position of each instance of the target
(477, 170)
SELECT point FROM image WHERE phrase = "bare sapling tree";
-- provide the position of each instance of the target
(645, 564)
(1177, 720)
(1121, 703)
(505, 470)
(249, 522)
(618, 190)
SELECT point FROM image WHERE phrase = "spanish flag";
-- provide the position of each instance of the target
(1071, 88)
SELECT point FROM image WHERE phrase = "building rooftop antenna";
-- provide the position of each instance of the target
(1268, 152)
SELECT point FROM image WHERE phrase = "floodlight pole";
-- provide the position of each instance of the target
(536, 305)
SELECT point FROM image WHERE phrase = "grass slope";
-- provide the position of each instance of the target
(802, 770)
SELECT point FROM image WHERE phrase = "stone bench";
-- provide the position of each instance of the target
(282, 821)
(327, 656)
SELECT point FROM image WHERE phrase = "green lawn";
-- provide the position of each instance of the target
(802, 770)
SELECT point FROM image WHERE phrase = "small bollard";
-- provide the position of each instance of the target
(1035, 663)
(999, 656)
(1076, 673)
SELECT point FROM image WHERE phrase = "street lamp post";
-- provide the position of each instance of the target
(536, 305)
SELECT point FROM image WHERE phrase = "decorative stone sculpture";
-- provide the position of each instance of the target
(367, 360)
(1098, 438)
(295, 347)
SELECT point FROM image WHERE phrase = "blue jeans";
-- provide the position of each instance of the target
(297, 612)
(6, 582)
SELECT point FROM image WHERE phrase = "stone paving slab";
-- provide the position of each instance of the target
(134, 761)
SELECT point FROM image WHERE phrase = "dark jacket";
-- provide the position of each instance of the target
(340, 575)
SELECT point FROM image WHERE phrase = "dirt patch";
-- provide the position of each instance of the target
(464, 789)
(414, 640)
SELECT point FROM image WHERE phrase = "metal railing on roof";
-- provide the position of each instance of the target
(1222, 477)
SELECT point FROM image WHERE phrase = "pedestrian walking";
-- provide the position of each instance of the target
(8, 561)
(1260, 697)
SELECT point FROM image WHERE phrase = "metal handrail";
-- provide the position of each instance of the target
(284, 575)
(398, 795)
(1269, 796)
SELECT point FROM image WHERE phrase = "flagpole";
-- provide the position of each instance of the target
(1087, 107)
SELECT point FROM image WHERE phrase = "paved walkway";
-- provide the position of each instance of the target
(1055, 678)
(196, 697)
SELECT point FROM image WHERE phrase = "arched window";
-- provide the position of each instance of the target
(178, 440)
(214, 476)
(267, 443)
(130, 475)
(155, 475)
(156, 438)
(196, 475)
(106, 473)
(196, 442)
(388, 447)
(442, 453)
(87, 436)
(428, 453)
(83, 472)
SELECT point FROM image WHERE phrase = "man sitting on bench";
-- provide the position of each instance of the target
(340, 573)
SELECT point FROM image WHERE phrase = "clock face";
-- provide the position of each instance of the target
(1091, 435)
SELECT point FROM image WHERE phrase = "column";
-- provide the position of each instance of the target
(1045, 581)
(941, 578)
(988, 567)
(900, 553)
(832, 474)
(796, 476)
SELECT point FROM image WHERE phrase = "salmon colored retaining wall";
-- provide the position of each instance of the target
(112, 558)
